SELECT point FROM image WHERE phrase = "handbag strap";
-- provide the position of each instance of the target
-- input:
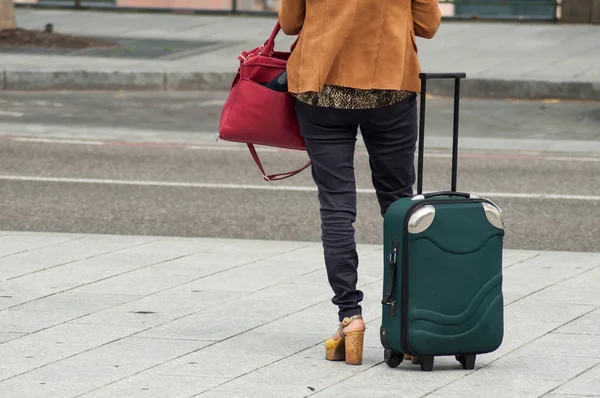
(273, 177)
(267, 49)
(269, 46)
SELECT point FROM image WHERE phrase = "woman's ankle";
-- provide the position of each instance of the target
(357, 325)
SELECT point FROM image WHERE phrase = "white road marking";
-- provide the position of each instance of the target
(13, 114)
(212, 103)
(228, 148)
(267, 187)
(58, 141)
(242, 148)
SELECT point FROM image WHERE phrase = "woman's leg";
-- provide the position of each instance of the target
(330, 136)
(390, 135)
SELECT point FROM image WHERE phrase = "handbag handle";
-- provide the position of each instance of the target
(269, 46)
(273, 177)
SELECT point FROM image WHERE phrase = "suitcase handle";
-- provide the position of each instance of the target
(447, 193)
(437, 76)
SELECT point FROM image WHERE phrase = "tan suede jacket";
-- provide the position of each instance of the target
(365, 44)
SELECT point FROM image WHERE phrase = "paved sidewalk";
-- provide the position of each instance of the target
(502, 59)
(136, 316)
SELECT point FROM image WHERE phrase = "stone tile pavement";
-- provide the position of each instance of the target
(139, 316)
(517, 60)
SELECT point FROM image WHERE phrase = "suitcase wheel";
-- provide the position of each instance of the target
(467, 361)
(426, 363)
(393, 359)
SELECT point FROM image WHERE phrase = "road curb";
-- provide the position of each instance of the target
(160, 80)
(519, 89)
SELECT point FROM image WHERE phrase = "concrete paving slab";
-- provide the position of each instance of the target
(8, 336)
(407, 380)
(30, 321)
(364, 389)
(294, 376)
(158, 309)
(255, 342)
(258, 340)
(264, 310)
(473, 384)
(150, 279)
(320, 316)
(12, 244)
(516, 287)
(554, 395)
(54, 344)
(7, 300)
(578, 290)
(90, 275)
(70, 276)
(565, 345)
(517, 334)
(75, 304)
(532, 308)
(268, 389)
(55, 309)
(515, 257)
(587, 324)
(202, 327)
(256, 276)
(588, 382)
(98, 367)
(152, 385)
(291, 292)
(215, 361)
(62, 253)
(538, 367)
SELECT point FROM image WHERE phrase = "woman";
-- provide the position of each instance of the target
(355, 65)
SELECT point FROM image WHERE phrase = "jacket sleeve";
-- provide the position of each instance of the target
(291, 16)
(426, 16)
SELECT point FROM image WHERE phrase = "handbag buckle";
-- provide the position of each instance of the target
(244, 57)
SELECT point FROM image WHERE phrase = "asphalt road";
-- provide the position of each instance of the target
(128, 185)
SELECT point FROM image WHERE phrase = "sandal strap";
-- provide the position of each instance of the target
(345, 322)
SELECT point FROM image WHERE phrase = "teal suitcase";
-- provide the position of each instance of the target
(442, 291)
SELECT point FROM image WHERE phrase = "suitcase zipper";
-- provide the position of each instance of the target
(404, 316)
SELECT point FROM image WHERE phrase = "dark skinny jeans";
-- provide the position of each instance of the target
(390, 135)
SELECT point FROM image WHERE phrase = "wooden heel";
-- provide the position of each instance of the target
(354, 347)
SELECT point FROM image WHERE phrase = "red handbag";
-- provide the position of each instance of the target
(256, 115)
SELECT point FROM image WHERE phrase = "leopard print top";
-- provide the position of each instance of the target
(352, 98)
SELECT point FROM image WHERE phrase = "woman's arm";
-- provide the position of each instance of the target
(426, 17)
(291, 16)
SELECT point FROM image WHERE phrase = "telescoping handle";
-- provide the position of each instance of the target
(437, 76)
